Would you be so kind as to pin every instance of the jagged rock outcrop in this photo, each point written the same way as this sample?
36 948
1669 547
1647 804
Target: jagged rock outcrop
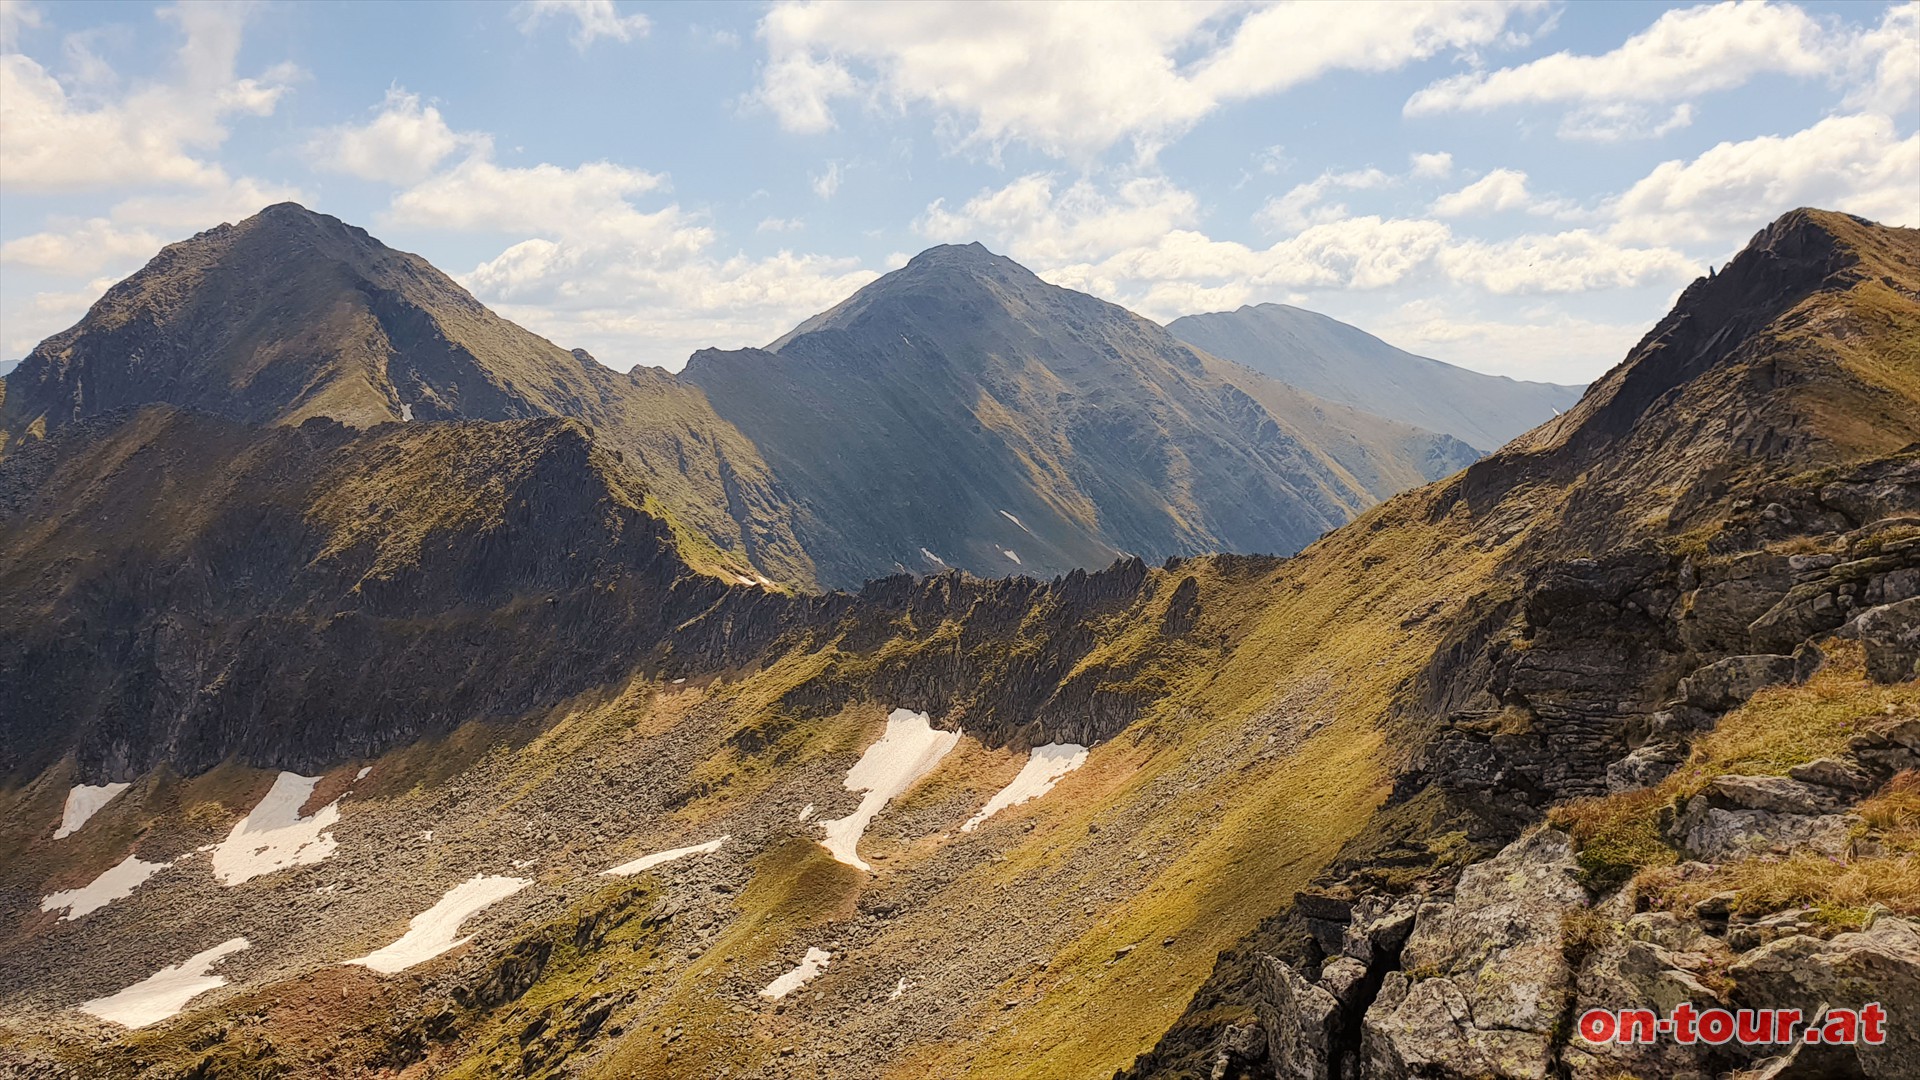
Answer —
1483 983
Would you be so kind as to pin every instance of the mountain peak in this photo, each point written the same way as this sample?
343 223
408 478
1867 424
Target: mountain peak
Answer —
955 254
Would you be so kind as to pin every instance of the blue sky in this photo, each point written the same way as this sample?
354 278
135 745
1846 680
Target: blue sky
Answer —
1520 188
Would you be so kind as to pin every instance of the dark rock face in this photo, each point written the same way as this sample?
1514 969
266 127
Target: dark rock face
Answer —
1599 675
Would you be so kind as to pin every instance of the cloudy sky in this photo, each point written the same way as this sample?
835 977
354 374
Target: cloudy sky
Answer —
1518 187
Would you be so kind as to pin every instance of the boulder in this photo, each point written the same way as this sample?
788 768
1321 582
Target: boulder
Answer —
1836 773
1484 979
1887 747
1379 928
1880 964
1301 1020
1750 933
1343 977
1653 960
1645 767
1778 794
1726 683
1713 834
1890 634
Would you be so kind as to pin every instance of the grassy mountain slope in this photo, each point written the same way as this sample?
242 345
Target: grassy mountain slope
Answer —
962 412
1348 365
1374 711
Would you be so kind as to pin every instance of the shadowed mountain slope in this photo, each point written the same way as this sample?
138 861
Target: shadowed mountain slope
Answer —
960 411
1343 363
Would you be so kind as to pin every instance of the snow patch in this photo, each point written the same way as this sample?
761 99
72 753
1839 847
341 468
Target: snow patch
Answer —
648 862
165 992
742 579
934 559
274 836
406 412
1044 768
801 975
84 801
806 813
362 774
1017 521
431 932
1011 554
116 883
898 989
908 751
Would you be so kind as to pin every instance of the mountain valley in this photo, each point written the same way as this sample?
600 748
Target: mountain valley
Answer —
480 713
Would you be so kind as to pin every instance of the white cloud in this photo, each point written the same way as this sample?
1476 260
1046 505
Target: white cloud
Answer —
594 268
135 228
154 134
478 195
632 304
1037 222
828 182
15 17
1501 189
402 144
592 19
48 313
1890 55
1858 164
88 247
1687 51
1135 243
1074 79
1619 121
1304 205
780 225
1577 261
1435 166
1542 344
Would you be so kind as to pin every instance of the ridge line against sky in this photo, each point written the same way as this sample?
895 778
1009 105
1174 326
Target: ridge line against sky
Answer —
1516 187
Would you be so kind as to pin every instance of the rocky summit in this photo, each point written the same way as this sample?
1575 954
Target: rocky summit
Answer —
406 696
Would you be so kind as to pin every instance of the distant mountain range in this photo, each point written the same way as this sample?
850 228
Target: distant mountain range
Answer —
958 413
1346 364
